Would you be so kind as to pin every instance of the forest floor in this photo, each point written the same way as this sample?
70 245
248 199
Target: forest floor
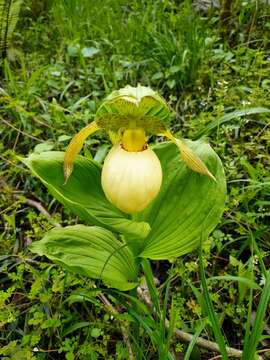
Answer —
60 67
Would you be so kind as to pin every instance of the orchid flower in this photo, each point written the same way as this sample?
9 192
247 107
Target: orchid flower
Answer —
132 175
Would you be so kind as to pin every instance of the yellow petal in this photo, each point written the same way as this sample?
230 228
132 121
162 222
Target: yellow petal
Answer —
75 146
189 157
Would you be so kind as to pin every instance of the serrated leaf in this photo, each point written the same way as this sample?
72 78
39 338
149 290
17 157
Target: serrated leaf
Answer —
83 193
187 203
90 251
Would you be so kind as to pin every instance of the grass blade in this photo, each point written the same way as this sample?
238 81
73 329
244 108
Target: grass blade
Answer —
151 285
211 312
251 345
251 284
206 130
193 342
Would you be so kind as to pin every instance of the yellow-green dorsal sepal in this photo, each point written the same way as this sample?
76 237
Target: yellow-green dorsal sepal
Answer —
132 107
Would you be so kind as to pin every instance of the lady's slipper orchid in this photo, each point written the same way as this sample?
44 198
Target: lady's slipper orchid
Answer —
132 175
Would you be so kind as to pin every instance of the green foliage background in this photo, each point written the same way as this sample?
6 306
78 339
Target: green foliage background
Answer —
64 58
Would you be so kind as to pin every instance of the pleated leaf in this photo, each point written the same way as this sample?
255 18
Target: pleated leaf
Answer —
83 193
90 251
188 204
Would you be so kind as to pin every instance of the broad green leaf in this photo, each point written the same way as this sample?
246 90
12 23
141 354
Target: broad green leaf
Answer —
90 251
83 193
187 205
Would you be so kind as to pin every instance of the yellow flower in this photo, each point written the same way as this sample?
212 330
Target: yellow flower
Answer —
131 179
131 175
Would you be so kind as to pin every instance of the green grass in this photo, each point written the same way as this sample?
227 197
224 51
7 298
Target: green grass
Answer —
66 60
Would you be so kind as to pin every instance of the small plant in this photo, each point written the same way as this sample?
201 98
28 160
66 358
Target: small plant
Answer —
9 15
144 203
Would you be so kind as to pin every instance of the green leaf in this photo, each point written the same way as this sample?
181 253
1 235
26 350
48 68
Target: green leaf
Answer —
188 203
101 153
88 52
73 50
90 251
83 193
45 146
96 332
75 327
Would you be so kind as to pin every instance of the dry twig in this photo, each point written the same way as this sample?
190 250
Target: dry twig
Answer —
39 207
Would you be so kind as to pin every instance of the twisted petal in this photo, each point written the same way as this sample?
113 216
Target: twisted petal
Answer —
189 157
75 146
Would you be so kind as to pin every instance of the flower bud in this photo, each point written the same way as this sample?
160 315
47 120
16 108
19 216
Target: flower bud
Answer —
131 180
